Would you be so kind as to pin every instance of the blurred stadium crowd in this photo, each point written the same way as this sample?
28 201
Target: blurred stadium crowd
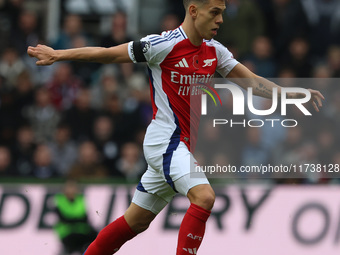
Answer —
85 120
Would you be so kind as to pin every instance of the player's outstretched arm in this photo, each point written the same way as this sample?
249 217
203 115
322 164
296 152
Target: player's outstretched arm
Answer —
47 56
264 88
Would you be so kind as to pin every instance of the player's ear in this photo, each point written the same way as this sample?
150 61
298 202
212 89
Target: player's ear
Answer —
193 11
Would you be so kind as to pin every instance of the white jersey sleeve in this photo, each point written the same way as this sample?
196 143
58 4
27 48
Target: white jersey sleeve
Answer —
226 61
152 48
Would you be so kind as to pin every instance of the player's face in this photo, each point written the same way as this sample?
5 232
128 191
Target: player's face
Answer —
209 18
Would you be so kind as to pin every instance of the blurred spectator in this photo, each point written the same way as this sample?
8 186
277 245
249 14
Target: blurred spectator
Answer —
243 22
9 13
140 136
118 36
11 66
210 139
8 117
106 142
63 87
170 21
23 150
324 24
323 82
286 72
27 33
83 70
126 125
23 93
2 84
262 57
6 167
126 71
235 136
285 152
138 101
267 9
72 29
12 102
321 71
298 58
88 163
63 150
336 165
290 22
254 154
42 116
118 33
333 58
326 141
271 133
308 153
43 166
73 228
222 159
131 164
176 7
107 84
333 108
80 116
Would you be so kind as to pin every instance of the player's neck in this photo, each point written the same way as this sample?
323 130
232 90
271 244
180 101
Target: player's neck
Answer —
189 29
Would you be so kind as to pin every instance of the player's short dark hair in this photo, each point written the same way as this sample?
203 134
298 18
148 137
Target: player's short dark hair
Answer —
186 3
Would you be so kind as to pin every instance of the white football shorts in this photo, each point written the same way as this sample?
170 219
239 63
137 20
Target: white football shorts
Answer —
168 173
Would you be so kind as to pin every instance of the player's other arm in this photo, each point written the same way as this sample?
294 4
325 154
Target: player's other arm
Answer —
264 88
47 56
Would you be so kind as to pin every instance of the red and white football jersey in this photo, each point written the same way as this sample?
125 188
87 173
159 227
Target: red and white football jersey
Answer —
174 63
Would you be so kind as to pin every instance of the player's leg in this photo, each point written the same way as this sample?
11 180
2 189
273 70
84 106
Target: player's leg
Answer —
202 197
137 218
114 235
192 228
168 173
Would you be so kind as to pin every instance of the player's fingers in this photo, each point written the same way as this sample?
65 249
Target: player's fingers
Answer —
30 51
318 94
41 63
318 99
321 95
315 106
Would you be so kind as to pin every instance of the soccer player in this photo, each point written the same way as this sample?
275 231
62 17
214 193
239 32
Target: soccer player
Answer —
174 59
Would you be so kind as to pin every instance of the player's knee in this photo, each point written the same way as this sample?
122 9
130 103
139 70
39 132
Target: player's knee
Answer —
207 200
138 218
141 223
140 226
202 196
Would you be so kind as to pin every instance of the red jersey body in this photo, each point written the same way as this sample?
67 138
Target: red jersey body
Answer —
176 67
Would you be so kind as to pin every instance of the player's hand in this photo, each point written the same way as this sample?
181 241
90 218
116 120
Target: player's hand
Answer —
316 99
44 54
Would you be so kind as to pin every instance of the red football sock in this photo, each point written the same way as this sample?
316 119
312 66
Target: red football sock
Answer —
192 230
111 238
